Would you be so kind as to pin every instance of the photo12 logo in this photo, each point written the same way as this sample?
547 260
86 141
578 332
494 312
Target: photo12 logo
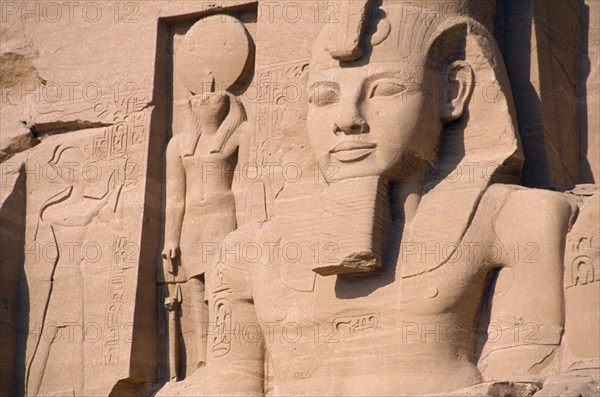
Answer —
69 11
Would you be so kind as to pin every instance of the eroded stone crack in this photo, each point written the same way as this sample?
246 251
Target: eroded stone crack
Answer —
44 130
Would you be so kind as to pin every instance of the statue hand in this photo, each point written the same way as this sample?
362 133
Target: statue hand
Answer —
171 251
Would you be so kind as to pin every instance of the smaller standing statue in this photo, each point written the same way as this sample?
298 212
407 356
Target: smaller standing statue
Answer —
200 205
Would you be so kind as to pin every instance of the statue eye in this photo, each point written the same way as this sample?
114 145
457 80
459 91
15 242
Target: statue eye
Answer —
386 88
324 93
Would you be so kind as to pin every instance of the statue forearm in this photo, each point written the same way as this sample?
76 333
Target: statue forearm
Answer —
173 223
175 197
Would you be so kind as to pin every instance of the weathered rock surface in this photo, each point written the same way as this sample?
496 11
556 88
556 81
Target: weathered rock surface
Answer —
341 198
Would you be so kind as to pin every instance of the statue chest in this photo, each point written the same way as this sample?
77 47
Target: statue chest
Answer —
292 294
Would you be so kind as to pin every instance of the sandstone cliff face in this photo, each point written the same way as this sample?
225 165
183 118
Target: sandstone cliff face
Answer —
589 92
93 93
17 57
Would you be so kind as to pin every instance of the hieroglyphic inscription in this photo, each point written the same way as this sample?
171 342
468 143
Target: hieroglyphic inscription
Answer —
116 141
356 324
123 253
278 86
222 338
585 267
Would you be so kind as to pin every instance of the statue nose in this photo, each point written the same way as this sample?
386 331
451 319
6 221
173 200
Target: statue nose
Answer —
351 124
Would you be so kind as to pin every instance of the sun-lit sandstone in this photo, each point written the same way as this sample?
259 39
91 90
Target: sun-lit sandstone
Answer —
328 198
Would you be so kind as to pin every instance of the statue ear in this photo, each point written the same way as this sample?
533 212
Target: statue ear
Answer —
458 87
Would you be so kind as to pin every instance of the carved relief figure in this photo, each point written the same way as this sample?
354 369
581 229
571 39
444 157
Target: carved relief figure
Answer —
62 226
419 240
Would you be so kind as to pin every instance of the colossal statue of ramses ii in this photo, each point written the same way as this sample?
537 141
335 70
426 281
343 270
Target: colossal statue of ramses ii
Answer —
417 260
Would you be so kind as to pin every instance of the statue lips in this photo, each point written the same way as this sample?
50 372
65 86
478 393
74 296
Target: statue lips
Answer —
349 151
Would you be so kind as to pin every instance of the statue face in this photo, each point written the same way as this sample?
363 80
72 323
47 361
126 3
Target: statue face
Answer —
370 120
210 108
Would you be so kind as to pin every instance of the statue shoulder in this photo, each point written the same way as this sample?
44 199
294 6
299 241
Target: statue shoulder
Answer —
174 145
527 203
538 204
533 215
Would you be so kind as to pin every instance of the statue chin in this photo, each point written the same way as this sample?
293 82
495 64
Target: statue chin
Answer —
336 167
363 203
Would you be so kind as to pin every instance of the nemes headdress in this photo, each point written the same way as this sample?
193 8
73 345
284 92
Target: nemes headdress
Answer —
481 147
